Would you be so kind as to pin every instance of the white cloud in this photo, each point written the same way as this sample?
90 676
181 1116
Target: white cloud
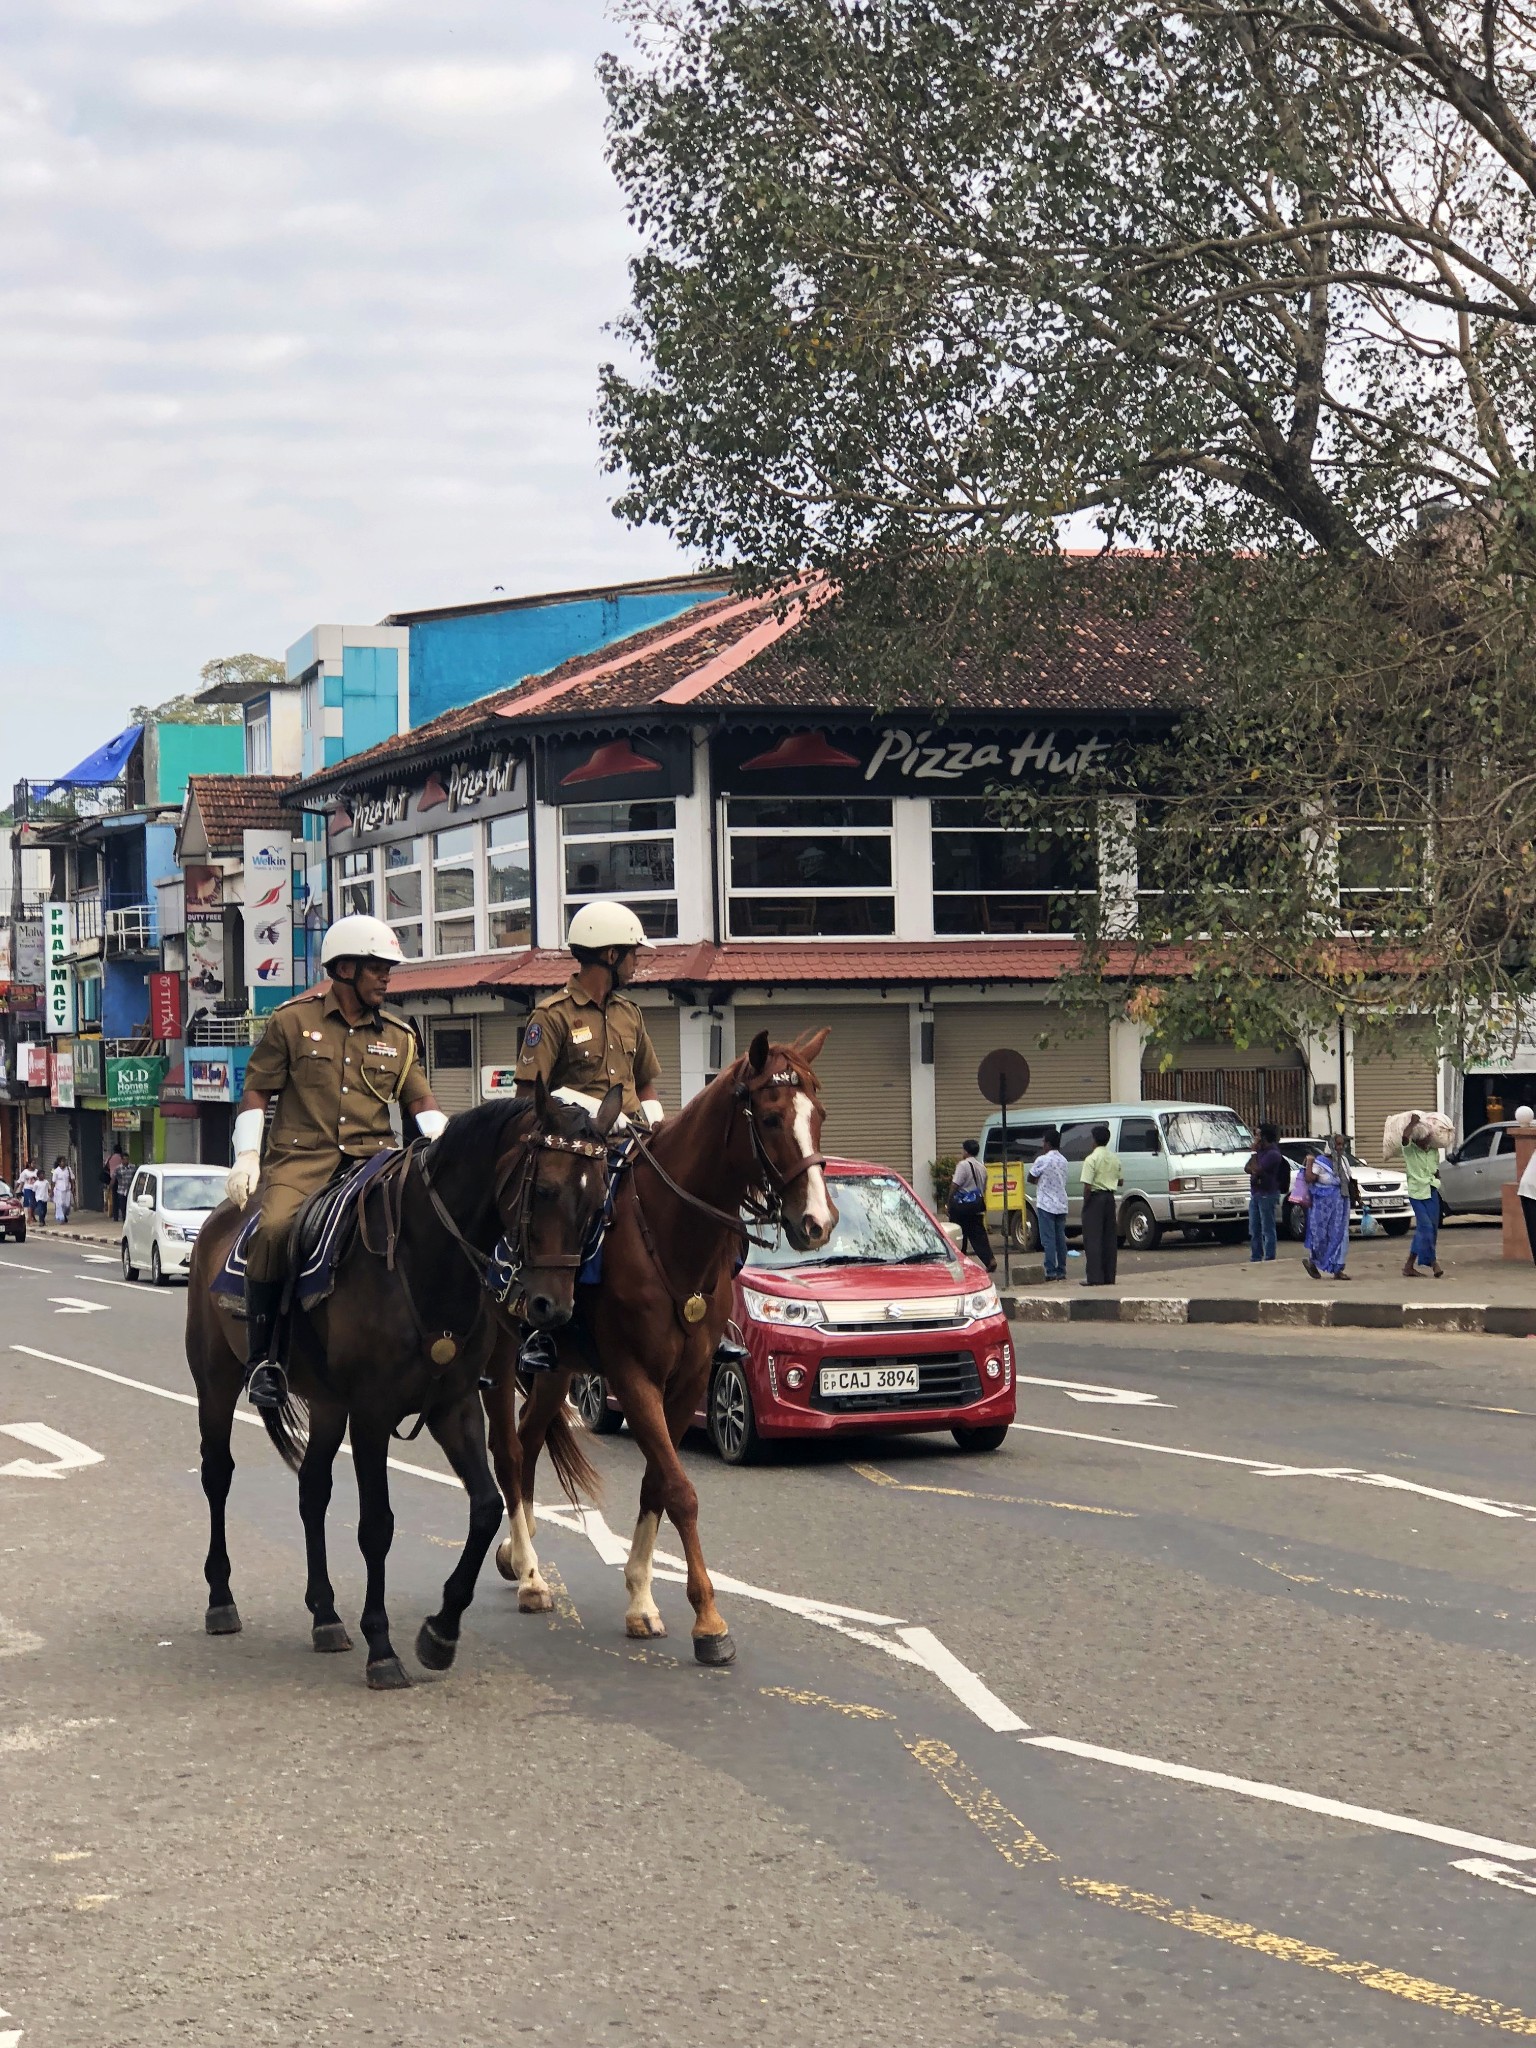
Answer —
301 306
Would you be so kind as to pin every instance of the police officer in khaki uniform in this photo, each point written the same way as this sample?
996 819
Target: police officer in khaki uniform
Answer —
590 1035
336 1059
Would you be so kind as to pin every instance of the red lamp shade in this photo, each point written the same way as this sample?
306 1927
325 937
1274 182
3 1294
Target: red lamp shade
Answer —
618 757
803 750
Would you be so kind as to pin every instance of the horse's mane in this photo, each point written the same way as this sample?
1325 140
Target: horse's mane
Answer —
476 1136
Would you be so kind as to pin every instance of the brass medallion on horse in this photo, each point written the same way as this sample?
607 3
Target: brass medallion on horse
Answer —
651 1325
456 1242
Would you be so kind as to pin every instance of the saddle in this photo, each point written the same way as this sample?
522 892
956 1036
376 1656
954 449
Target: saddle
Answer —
322 1232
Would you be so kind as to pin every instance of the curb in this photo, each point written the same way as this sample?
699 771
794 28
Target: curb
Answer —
1447 1318
61 1233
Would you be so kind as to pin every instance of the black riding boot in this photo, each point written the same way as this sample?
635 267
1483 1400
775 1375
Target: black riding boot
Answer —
729 1352
266 1382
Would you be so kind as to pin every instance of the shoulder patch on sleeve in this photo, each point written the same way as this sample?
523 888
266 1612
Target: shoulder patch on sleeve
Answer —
534 1033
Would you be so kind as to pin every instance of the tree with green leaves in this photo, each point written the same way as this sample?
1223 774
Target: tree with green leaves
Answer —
1252 289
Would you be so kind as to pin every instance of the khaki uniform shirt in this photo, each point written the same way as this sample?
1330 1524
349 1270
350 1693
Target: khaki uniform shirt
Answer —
335 1080
574 1042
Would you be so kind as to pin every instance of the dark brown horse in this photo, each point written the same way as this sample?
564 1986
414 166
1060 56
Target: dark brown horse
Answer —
409 1329
653 1323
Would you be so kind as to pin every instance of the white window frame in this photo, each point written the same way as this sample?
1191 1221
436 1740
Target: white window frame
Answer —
341 881
258 740
491 853
474 860
571 901
421 866
999 832
889 831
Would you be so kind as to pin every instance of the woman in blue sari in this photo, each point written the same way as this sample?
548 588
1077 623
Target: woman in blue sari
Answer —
1327 1218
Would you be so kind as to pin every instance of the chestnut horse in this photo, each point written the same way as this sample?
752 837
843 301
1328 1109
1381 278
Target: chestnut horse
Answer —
514 1187
652 1324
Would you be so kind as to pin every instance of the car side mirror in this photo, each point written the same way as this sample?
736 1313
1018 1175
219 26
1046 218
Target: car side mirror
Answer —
143 1201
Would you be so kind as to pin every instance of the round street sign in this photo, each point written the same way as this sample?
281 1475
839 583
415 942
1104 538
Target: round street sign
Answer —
1003 1076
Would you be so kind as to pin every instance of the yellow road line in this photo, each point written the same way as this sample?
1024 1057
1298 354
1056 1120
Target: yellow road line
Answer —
852 1708
1004 1830
1285 1948
1014 1500
565 1606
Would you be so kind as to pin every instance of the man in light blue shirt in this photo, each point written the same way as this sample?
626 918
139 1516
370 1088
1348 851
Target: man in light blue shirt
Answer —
1048 1171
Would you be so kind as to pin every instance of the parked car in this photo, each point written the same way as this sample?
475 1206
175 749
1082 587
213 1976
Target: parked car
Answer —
13 1216
1474 1175
167 1207
886 1328
1183 1165
1382 1191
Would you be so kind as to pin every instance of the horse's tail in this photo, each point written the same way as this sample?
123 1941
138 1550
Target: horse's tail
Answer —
288 1428
575 1471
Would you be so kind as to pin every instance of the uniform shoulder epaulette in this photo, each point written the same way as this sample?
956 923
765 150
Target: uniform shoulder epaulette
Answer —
396 1017
305 995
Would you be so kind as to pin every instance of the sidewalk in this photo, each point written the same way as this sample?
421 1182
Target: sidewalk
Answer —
85 1226
1480 1293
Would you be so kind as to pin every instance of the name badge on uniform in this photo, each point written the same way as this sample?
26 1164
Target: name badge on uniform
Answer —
389 1051
581 1034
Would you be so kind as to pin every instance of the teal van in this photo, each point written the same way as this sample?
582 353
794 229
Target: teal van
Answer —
1183 1165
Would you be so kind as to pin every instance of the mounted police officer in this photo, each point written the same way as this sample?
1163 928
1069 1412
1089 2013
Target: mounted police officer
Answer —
591 1035
336 1059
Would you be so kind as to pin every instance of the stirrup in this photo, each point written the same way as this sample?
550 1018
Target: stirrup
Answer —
267 1385
538 1353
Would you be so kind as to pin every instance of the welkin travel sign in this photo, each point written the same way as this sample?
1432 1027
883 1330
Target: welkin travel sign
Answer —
913 759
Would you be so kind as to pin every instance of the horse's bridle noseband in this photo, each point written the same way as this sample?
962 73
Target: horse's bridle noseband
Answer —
779 1182
501 1272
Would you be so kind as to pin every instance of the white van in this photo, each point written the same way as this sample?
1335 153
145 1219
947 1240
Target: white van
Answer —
167 1207
1183 1164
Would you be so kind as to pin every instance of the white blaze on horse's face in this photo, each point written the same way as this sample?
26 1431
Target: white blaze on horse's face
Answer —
818 1215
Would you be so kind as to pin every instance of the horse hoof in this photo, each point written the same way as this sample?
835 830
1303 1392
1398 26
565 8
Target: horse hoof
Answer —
222 1621
648 1628
330 1635
714 1649
387 1674
504 1562
433 1650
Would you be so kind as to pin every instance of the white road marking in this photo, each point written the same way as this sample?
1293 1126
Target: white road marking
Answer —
1282 1795
962 1682
101 1280
590 1523
1267 1468
1085 1390
35 1735
1504 1874
16 1641
72 1305
97 1259
66 1453
17 1266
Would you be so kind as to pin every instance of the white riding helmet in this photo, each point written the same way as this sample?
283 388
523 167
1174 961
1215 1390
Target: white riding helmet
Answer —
360 938
601 924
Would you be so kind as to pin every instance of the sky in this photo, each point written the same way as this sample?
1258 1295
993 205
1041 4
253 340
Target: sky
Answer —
302 304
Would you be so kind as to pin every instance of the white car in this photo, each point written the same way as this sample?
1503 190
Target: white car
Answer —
167 1207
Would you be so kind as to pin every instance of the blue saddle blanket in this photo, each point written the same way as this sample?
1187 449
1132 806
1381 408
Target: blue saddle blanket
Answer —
322 1231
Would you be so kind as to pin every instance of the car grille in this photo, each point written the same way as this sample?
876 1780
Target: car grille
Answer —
948 1380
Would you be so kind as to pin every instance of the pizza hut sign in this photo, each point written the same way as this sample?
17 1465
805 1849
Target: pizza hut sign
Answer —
911 760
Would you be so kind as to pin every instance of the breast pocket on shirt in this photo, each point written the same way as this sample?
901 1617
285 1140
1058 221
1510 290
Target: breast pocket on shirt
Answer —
381 1076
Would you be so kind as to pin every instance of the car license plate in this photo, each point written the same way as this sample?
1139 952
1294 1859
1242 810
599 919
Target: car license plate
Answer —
1229 1202
869 1379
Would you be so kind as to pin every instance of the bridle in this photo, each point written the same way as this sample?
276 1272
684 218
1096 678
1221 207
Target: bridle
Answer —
501 1271
768 1207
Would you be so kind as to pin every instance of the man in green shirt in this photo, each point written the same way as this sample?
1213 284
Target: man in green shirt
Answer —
1421 1162
1102 1175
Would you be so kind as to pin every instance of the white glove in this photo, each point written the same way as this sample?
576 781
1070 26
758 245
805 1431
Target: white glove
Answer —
653 1112
246 1171
431 1123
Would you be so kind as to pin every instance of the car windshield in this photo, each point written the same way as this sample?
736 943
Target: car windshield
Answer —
192 1190
880 1223
1206 1130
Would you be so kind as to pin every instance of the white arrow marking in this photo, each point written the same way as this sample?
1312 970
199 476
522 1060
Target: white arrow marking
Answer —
72 1305
1085 1390
97 1259
1506 1874
67 1454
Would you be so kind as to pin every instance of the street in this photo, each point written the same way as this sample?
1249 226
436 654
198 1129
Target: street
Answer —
958 1787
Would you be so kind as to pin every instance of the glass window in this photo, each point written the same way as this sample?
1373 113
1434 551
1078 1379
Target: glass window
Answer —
405 853
403 862
258 744
1139 1134
879 1224
1206 1130
453 890
1376 862
509 881
1480 1144
1078 1140
352 884
624 851
809 867
992 879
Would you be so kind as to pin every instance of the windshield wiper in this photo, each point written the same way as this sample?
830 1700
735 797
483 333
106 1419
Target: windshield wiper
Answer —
838 1259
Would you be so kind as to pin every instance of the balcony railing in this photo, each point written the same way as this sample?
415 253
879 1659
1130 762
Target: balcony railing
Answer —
213 1029
132 929
59 803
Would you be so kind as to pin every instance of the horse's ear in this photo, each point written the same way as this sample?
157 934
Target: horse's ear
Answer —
757 1053
540 1097
808 1045
612 1103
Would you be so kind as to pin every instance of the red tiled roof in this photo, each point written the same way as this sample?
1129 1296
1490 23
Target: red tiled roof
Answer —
737 655
230 805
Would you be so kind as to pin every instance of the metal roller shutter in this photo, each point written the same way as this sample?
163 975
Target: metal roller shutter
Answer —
1073 1067
1385 1081
498 1041
663 1027
451 1065
865 1071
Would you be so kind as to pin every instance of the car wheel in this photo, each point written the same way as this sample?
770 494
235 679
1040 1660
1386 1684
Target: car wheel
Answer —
589 1391
1140 1228
1397 1229
130 1272
1295 1222
732 1425
1020 1232
19 1234
990 1439
156 1271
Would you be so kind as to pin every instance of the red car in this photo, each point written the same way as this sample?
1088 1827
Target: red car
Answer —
886 1328
13 1215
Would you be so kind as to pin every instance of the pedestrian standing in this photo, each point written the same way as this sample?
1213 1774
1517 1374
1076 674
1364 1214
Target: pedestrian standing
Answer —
1327 1218
1421 1162
1048 1171
109 1179
122 1180
28 1185
1269 1173
63 1190
968 1203
1102 1175
1527 1190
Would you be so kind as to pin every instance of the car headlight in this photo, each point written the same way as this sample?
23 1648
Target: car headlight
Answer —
773 1308
984 1302
187 1232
